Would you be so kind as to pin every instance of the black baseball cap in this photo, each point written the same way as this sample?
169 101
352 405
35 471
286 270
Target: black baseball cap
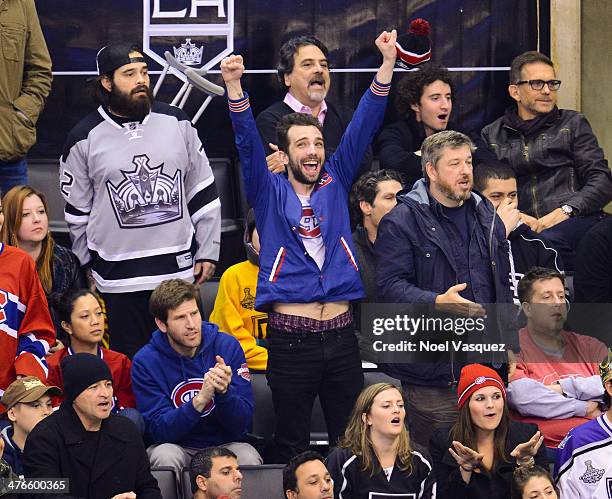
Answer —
115 55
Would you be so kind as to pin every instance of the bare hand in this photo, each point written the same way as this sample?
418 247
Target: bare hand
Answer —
528 449
553 218
465 457
386 44
276 160
531 221
203 271
204 396
509 213
58 345
219 376
232 68
593 411
452 302
125 495
555 387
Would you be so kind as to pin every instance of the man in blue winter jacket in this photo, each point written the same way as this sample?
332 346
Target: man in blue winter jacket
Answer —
308 273
191 382
442 245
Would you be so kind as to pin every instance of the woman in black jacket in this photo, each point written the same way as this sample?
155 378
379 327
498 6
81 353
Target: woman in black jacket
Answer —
375 456
476 458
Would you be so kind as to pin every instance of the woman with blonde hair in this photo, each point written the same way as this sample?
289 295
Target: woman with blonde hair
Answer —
26 226
375 454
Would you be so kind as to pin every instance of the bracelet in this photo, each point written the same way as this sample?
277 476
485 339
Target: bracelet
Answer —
526 464
469 470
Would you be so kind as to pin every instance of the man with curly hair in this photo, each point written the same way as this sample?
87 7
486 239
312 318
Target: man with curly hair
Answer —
424 101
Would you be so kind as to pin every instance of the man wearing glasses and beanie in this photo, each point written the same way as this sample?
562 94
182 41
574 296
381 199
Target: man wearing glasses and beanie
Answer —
562 175
101 454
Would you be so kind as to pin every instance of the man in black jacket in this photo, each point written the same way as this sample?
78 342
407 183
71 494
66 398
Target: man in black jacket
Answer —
497 182
373 195
303 71
101 454
424 101
562 175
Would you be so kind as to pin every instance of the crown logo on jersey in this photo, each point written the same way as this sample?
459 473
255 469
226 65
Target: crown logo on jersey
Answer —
188 53
147 196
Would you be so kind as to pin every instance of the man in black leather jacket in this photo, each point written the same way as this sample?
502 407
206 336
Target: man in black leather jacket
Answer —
563 178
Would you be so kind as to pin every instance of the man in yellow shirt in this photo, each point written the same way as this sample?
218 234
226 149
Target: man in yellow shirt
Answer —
234 309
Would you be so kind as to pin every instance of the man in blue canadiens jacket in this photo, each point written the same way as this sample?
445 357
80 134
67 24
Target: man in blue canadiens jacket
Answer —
308 273
191 382
442 245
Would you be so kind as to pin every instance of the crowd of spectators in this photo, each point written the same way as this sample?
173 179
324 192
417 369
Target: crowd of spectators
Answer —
470 225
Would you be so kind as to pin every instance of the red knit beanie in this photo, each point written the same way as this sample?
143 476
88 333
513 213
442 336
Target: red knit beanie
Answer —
474 377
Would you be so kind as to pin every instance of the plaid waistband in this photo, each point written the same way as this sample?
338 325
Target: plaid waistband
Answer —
296 323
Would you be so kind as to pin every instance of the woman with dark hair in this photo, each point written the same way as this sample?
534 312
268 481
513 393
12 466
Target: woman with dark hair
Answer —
476 458
376 455
26 226
533 483
81 317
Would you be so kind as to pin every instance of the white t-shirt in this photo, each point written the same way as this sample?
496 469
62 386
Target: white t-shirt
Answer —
310 232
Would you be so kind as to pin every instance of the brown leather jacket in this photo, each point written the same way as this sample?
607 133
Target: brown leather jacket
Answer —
25 77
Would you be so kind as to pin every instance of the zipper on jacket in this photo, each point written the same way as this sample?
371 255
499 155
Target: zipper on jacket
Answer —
533 178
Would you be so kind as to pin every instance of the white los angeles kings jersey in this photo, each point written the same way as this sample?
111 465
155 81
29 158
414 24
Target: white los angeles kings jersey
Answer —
136 194
584 462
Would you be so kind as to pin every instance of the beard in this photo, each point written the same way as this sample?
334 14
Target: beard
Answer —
456 194
299 175
130 105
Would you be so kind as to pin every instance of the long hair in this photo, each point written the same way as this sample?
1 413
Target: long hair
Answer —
464 431
357 436
12 204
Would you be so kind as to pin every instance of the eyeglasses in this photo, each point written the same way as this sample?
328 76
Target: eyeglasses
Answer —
539 84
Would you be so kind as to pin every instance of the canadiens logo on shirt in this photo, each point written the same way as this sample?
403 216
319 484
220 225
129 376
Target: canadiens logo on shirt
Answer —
309 225
325 179
186 390
243 372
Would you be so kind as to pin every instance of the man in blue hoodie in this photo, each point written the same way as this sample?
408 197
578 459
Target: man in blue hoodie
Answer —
191 382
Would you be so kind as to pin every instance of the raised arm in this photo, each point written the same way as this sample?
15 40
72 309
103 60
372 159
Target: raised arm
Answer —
257 178
232 68
345 162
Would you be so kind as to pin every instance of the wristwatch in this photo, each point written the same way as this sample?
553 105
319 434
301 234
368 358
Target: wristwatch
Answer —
567 210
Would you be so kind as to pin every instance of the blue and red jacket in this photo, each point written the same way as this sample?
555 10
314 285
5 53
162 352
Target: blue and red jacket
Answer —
287 273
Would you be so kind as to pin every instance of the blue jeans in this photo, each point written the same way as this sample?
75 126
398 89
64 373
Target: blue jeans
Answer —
565 236
13 173
302 365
